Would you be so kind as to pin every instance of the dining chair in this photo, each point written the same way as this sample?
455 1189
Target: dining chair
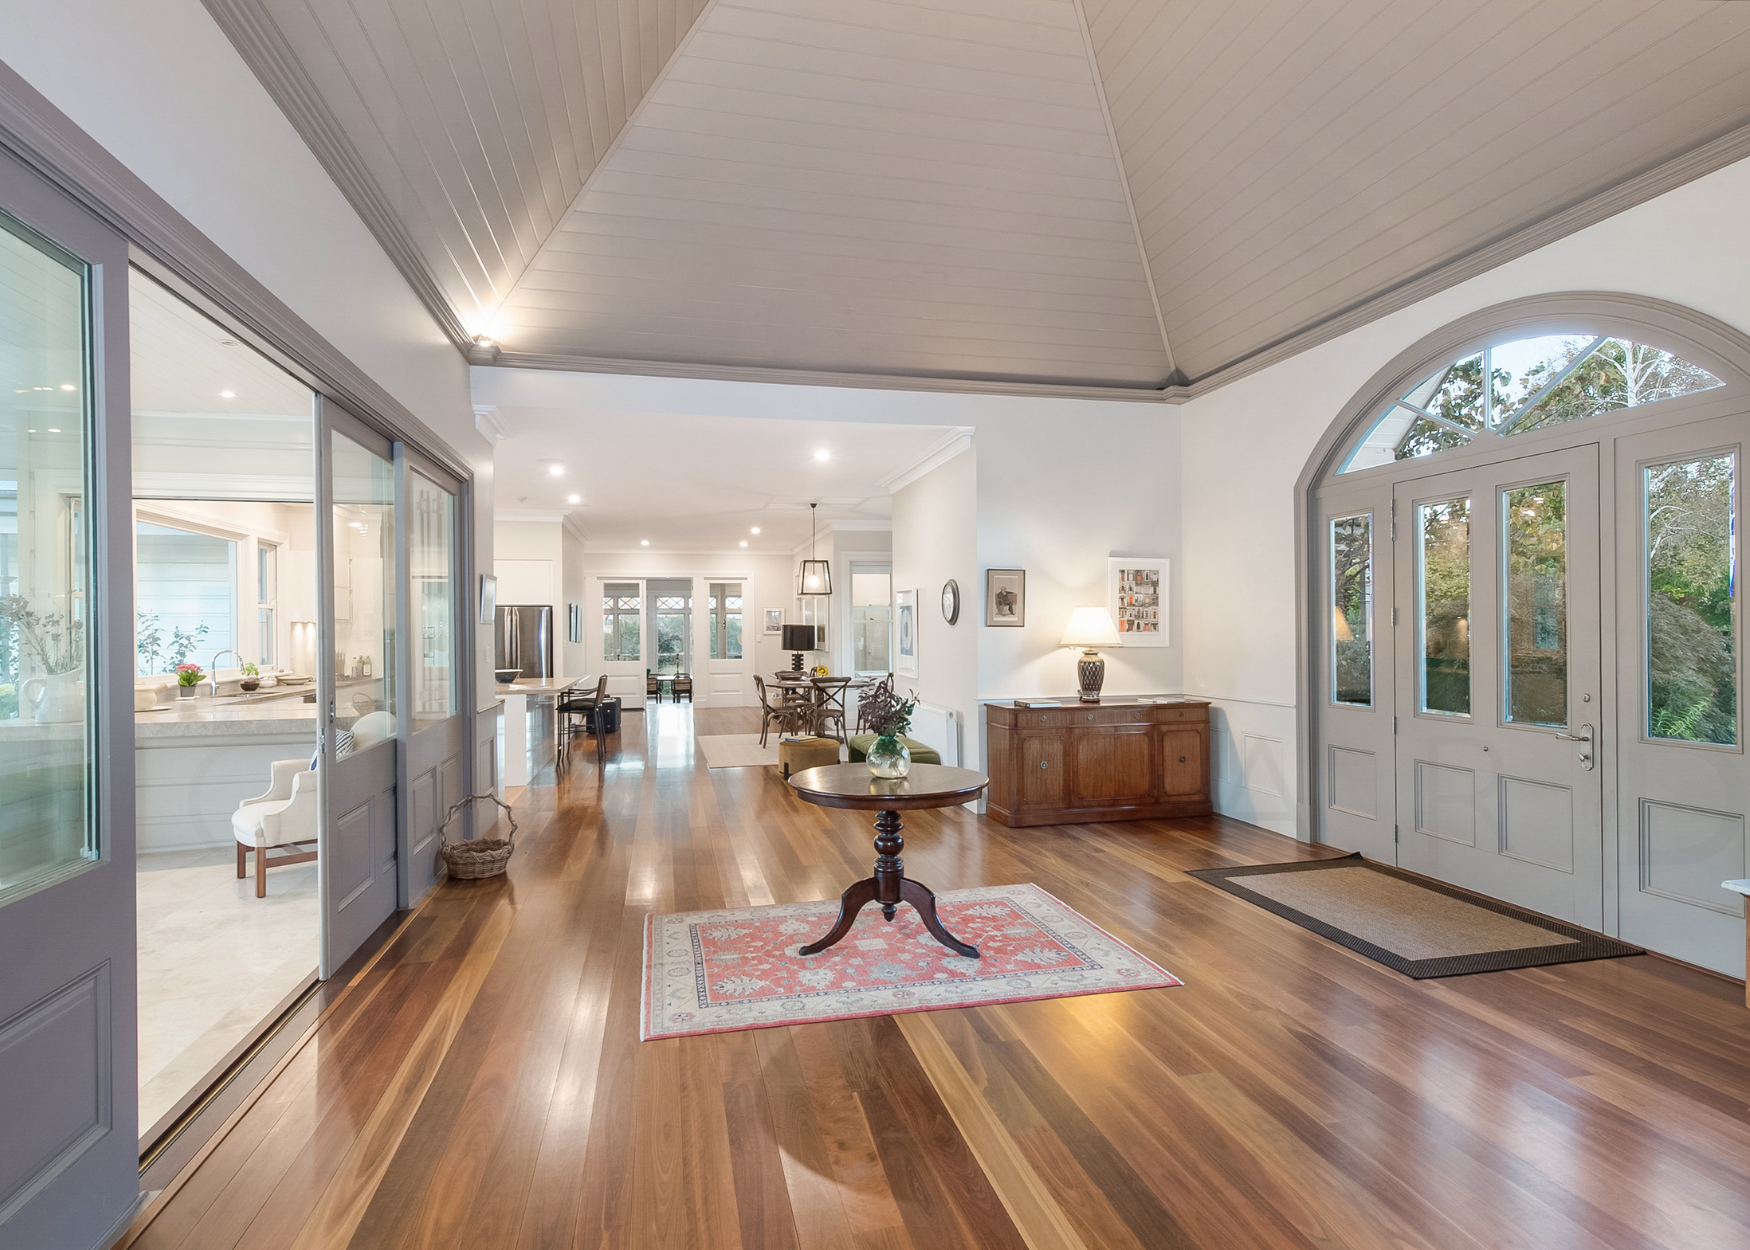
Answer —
829 705
782 713
683 684
652 689
588 709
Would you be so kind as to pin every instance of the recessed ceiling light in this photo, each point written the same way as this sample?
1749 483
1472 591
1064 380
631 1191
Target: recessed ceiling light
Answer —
30 431
574 499
643 542
227 394
68 386
744 542
53 430
754 530
823 454
556 470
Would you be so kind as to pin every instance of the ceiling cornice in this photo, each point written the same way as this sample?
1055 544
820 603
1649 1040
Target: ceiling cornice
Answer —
1698 162
859 381
937 454
263 47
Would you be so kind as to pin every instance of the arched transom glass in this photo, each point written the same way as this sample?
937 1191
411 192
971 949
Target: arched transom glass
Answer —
1531 384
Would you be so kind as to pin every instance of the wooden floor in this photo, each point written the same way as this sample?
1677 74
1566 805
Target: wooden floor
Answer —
482 1085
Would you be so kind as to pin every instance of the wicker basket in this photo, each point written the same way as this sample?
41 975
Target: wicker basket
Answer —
469 859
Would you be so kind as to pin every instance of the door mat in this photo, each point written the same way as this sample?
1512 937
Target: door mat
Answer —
717 971
1411 924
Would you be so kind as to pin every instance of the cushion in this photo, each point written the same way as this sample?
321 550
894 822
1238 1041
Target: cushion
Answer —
920 754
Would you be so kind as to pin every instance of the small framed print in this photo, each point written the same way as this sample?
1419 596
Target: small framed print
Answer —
574 630
488 599
774 620
1136 594
905 632
1005 597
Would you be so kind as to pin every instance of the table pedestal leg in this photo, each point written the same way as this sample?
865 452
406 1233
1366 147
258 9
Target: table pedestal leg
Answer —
889 887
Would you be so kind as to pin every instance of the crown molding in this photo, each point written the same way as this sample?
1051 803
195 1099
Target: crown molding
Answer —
170 247
491 423
937 454
858 381
264 48
546 516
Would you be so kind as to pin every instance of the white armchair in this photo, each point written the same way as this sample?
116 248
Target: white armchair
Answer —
283 817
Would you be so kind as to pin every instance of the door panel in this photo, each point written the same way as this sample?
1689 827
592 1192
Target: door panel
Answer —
1498 671
1181 762
1042 769
361 681
1112 765
433 728
1681 777
69 1148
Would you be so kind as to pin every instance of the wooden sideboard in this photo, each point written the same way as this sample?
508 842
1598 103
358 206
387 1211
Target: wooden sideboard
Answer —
1106 761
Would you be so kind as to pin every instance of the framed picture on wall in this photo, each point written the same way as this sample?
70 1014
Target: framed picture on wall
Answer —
905 632
574 630
488 599
774 620
1005 597
1136 594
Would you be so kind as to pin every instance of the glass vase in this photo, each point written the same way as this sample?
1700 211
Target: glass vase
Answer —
888 757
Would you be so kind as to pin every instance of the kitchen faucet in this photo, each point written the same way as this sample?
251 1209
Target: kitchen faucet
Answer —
213 669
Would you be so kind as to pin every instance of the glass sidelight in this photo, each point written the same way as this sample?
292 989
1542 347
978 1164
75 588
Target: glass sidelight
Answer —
1352 610
364 581
1535 604
1443 606
431 560
1690 539
46 828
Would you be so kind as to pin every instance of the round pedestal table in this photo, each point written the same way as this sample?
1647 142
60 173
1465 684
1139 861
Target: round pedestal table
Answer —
852 786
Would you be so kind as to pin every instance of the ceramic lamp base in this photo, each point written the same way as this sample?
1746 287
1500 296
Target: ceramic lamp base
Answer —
1091 672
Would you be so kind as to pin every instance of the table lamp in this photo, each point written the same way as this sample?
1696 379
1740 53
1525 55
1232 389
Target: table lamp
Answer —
797 639
1089 628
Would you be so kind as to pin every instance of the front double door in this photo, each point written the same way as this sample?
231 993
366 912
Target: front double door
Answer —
1497 682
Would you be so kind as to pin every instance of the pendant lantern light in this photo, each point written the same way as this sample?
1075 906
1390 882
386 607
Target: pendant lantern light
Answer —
815 577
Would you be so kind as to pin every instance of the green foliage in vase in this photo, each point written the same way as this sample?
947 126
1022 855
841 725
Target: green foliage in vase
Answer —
883 711
54 640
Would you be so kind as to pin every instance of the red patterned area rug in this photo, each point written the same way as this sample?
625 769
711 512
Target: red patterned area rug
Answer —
717 971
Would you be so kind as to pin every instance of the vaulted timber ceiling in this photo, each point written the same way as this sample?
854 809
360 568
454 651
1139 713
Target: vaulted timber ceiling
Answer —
1109 195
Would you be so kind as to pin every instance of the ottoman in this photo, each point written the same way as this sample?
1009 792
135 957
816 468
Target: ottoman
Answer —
796 754
920 754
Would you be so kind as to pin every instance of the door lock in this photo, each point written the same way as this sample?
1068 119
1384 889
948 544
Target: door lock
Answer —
1585 736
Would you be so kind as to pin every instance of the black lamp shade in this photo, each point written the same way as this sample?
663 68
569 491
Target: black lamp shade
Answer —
815 578
798 638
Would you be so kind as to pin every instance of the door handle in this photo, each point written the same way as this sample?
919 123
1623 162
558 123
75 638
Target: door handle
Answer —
1585 735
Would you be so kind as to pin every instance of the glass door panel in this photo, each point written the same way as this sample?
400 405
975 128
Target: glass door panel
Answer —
1691 670
433 581
364 585
1352 610
1443 606
1535 604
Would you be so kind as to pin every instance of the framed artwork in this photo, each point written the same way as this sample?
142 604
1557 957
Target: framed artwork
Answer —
905 632
574 630
774 620
1136 594
1005 597
488 599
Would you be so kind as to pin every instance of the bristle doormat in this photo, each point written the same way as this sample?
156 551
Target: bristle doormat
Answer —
1409 923
717 971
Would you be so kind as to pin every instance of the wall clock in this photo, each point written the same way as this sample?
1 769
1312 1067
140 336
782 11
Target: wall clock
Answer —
951 601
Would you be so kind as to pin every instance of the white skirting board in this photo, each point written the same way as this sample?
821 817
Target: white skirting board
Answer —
939 729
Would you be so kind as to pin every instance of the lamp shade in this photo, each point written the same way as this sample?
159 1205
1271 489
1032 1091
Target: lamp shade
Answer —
1090 627
798 638
814 578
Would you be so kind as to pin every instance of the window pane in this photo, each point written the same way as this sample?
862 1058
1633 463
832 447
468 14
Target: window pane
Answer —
1352 610
1443 585
185 594
1455 393
44 570
364 581
1692 676
1536 604
431 566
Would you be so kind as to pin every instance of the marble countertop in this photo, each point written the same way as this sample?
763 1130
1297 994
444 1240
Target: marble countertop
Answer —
1741 887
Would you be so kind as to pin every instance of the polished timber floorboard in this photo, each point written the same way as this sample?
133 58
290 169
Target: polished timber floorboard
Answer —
482 1084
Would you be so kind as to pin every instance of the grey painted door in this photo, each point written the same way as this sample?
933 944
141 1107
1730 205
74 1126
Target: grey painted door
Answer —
360 684
435 760
1498 680
69 1149
1681 776
1357 782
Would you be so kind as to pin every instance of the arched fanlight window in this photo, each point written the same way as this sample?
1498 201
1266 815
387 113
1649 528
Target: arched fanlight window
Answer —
1532 384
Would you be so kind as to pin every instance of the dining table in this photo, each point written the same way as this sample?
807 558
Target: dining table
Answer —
801 688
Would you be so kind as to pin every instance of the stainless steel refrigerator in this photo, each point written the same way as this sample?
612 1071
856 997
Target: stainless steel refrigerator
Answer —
525 639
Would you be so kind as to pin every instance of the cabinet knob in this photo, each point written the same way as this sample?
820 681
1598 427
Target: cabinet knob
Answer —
1045 763
1090 716
1181 759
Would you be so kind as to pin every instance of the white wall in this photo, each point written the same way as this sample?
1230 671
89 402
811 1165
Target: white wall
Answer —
935 537
573 581
1245 445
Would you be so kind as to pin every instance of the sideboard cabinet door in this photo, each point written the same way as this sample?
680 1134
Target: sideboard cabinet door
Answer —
1182 762
1041 760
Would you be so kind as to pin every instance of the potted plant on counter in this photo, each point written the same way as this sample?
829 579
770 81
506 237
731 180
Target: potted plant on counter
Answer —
889 716
251 677
188 676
